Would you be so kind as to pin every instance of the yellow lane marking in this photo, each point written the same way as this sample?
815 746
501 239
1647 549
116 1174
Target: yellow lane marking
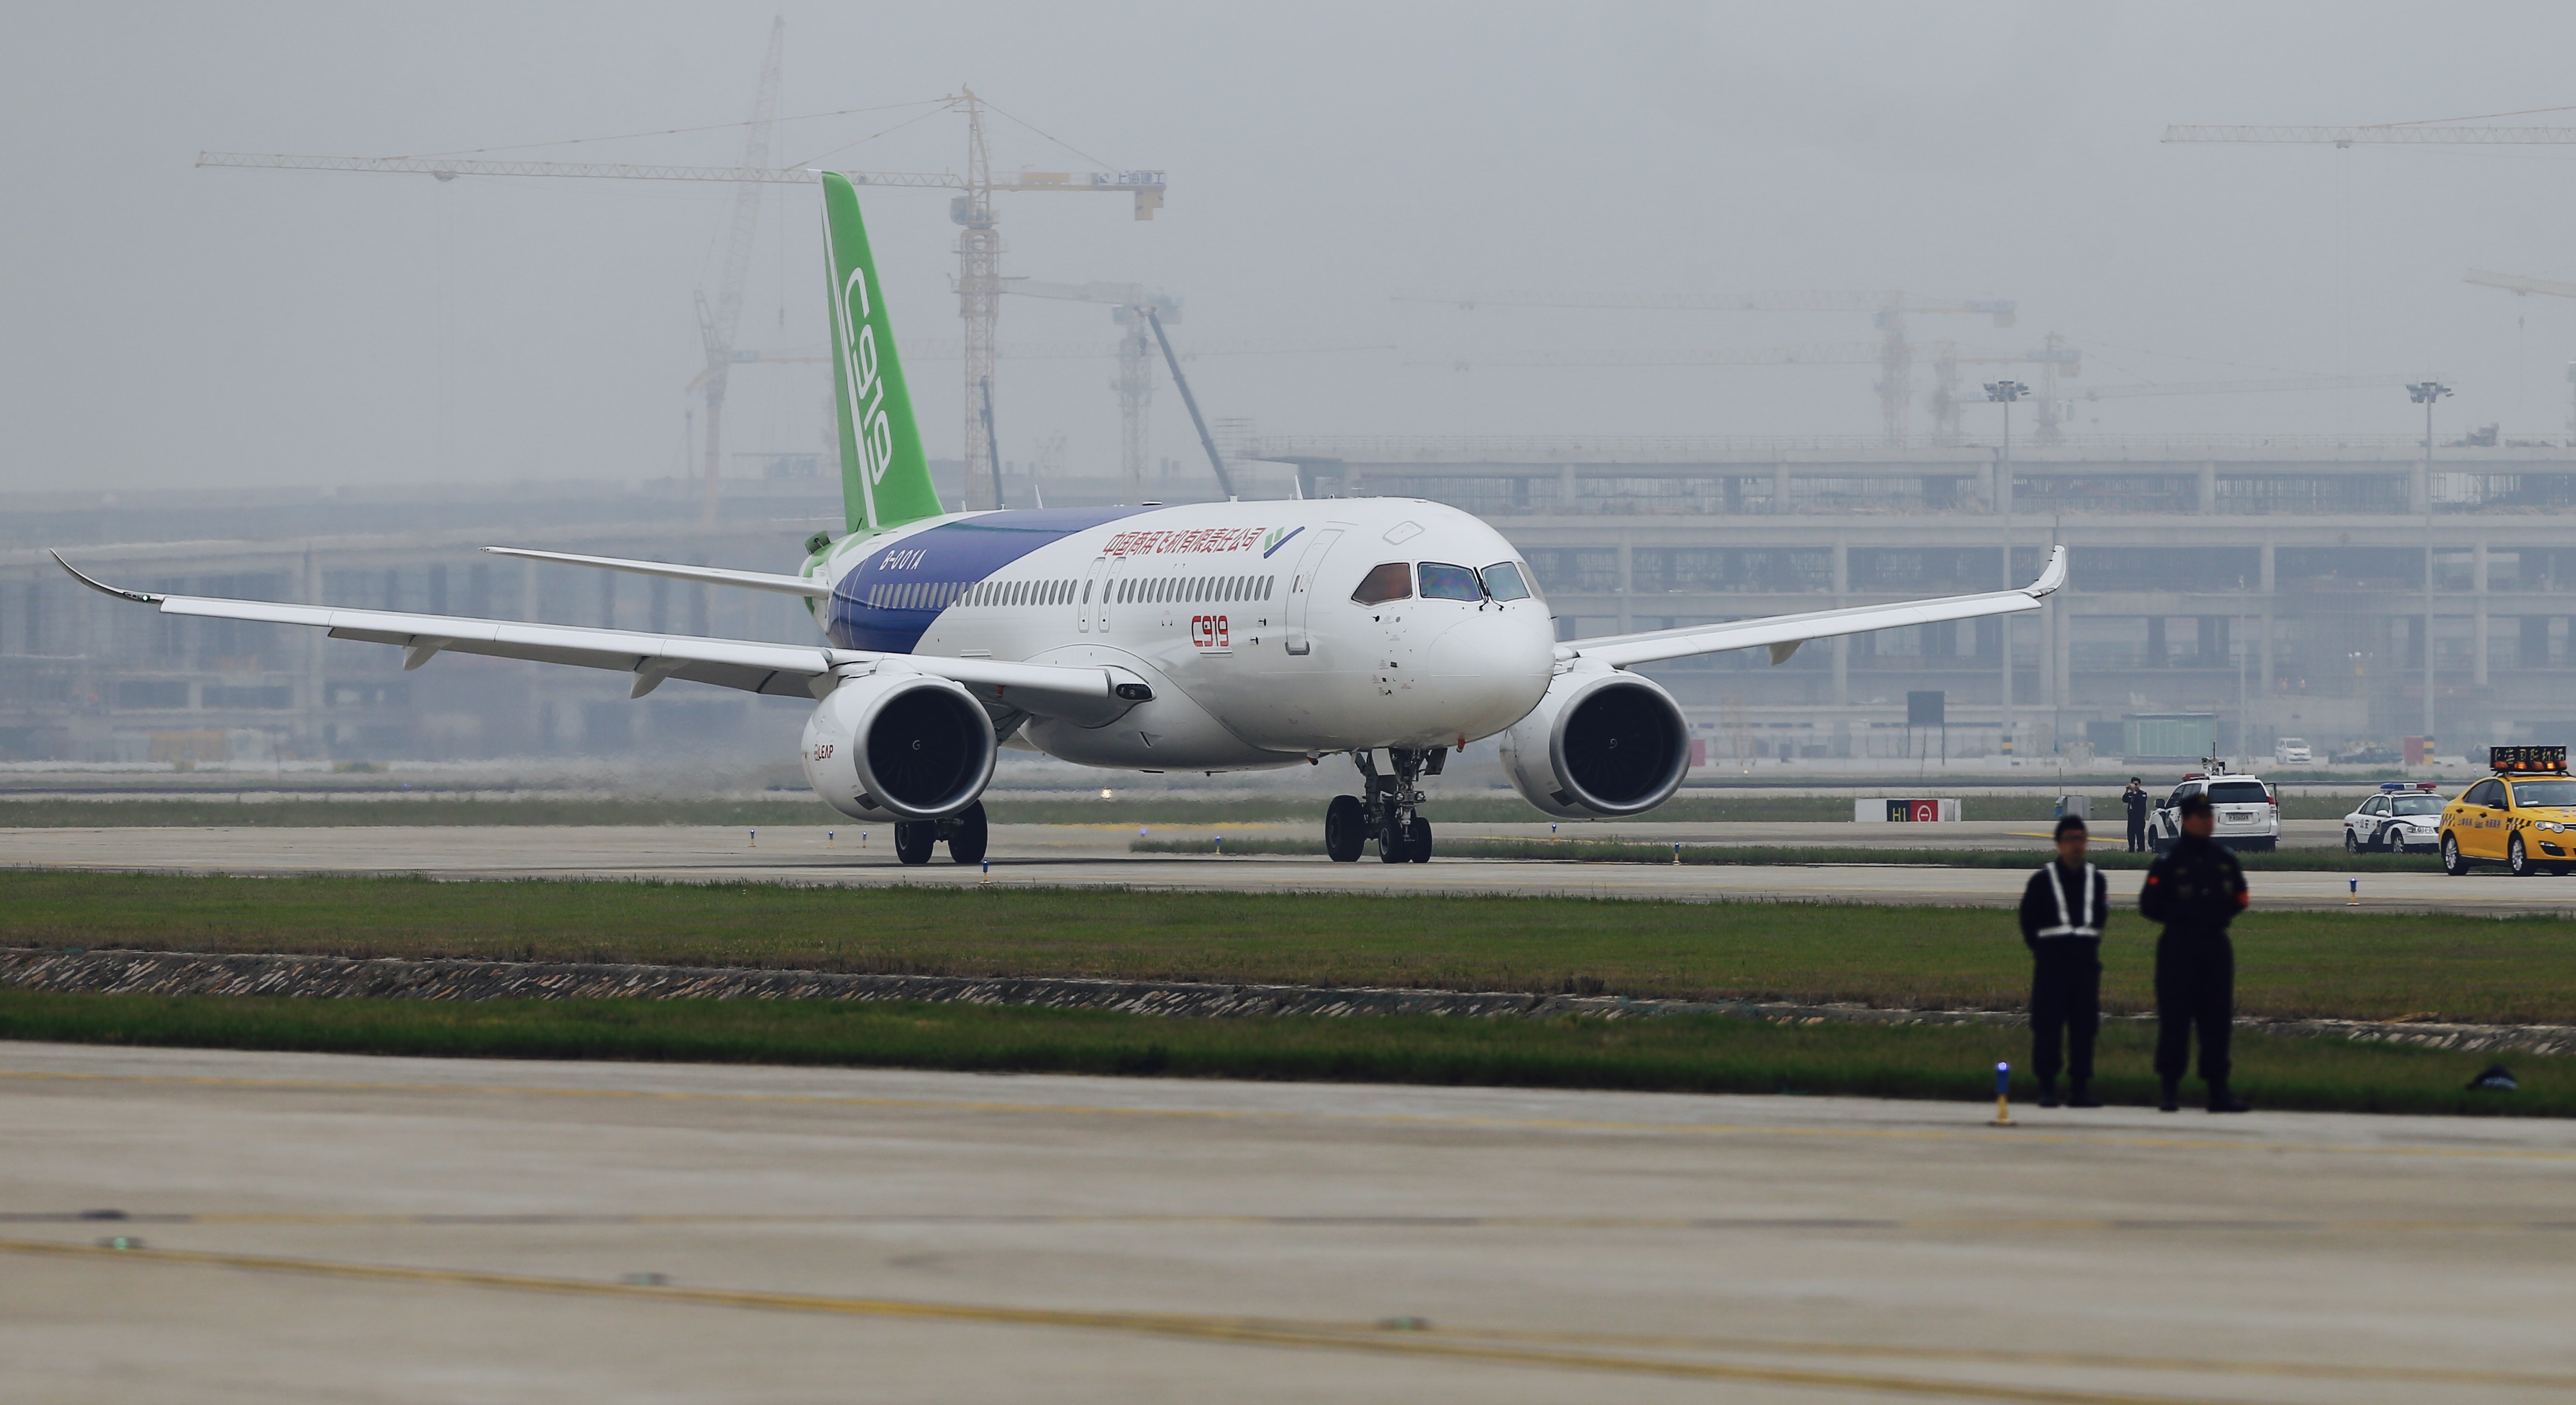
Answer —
1563 1124
2535 1380
1584 1223
1242 1330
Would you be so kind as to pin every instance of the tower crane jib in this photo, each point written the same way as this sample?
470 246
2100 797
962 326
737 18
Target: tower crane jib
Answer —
979 244
1889 309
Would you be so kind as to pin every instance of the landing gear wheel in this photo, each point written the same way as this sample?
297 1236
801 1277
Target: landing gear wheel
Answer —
1345 829
2452 863
2517 861
966 835
913 840
1417 841
1394 842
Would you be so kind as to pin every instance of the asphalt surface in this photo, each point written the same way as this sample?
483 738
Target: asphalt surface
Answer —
1098 856
312 1227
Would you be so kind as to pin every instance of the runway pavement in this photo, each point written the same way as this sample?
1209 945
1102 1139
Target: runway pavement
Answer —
324 1227
1094 856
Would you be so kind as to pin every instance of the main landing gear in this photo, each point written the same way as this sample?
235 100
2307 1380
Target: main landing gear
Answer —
1388 813
965 832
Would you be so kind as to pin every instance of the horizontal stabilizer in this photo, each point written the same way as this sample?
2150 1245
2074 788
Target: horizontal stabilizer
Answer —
707 575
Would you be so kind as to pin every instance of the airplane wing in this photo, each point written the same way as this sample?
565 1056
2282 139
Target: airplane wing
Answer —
709 575
793 670
1782 634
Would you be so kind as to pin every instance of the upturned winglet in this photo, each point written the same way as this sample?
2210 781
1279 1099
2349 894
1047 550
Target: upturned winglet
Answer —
2051 577
139 597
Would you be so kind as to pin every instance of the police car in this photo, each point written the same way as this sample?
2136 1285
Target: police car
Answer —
2523 816
2248 813
2400 817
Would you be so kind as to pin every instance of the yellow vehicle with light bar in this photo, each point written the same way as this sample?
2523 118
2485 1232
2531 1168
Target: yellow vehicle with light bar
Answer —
2523 816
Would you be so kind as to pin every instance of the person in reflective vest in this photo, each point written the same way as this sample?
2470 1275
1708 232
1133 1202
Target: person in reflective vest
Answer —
2195 890
2062 911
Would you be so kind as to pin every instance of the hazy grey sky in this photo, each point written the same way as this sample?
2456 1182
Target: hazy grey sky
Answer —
178 326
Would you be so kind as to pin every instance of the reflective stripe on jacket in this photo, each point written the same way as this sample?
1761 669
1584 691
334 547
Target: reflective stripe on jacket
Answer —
2068 923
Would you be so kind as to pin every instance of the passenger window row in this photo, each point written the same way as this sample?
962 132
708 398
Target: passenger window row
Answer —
916 595
1194 590
939 595
1004 594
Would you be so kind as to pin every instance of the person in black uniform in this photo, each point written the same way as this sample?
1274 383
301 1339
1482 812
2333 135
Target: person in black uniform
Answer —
2134 800
2062 909
2195 889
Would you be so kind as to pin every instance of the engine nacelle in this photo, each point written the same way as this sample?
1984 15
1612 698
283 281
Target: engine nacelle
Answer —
899 746
1601 744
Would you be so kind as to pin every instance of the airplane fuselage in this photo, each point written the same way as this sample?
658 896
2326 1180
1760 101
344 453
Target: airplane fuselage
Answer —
1249 620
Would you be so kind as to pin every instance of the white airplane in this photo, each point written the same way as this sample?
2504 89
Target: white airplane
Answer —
1218 637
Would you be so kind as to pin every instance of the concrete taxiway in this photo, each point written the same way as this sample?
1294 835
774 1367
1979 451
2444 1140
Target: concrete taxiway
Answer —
1098 856
192 1226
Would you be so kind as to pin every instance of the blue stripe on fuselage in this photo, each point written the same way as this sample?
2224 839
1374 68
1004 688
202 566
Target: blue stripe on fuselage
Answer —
917 576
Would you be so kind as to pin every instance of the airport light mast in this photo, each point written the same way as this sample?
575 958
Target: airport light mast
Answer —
2427 394
2004 393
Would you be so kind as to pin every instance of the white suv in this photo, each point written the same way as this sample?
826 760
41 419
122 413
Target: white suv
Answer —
2292 751
2248 813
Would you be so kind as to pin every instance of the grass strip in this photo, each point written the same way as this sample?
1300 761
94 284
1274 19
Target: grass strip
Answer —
306 812
2290 965
1683 1053
2031 854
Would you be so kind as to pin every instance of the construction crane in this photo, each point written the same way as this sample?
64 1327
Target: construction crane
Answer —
1947 357
951 349
1134 371
2521 286
1129 306
2054 358
2127 392
1890 310
2516 283
2383 134
716 329
979 244
1834 353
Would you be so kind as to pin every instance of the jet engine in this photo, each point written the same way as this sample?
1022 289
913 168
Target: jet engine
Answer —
1601 743
901 746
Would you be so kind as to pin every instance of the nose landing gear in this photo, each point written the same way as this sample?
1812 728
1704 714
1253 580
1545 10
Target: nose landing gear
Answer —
1388 814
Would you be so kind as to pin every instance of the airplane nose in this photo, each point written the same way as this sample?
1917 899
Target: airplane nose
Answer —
1493 661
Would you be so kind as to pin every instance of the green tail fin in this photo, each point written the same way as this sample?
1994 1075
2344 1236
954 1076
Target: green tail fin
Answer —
885 481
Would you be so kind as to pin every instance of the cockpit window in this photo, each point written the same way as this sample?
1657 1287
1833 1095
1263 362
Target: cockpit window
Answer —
1503 582
1441 581
1392 581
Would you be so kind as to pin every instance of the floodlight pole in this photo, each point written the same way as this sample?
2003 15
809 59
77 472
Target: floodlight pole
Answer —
2004 393
2426 393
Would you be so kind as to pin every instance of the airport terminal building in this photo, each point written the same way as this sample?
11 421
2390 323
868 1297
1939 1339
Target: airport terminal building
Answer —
2330 588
